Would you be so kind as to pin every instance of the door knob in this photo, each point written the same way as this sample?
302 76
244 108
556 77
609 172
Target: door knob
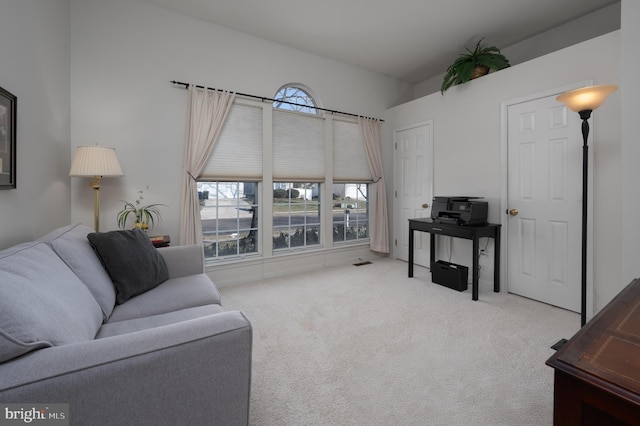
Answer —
425 206
513 212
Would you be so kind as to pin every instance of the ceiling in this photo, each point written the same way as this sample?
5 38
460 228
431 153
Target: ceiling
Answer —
410 40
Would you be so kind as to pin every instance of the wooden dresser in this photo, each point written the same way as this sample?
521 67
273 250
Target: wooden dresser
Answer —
597 372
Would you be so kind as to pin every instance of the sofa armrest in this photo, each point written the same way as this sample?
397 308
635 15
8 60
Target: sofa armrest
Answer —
192 372
184 260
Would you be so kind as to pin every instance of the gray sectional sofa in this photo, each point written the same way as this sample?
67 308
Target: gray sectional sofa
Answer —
167 356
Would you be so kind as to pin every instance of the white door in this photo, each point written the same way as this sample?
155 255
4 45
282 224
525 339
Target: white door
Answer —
413 178
544 202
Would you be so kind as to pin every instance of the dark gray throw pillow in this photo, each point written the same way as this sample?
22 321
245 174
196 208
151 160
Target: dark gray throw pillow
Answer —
133 263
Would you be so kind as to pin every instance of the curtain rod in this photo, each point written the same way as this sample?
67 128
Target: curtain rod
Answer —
263 98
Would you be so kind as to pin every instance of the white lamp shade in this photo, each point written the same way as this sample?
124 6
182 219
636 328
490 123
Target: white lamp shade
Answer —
586 98
91 161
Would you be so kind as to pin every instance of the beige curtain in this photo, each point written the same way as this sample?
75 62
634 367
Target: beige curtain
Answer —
206 112
379 223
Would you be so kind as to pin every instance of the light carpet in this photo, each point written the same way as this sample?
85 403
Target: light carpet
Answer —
368 346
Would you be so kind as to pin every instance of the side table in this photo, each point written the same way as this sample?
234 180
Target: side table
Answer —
597 372
161 241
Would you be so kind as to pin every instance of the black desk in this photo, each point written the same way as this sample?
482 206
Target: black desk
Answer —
467 232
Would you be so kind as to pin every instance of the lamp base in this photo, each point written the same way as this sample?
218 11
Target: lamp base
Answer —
95 184
560 343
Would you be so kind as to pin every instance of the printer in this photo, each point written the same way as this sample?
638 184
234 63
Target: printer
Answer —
459 210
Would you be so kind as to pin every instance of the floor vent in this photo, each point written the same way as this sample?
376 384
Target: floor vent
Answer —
366 262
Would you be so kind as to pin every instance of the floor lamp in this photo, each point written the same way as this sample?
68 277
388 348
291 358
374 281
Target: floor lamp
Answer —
584 101
95 162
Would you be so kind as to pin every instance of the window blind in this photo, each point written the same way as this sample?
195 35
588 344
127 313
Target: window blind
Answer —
349 157
298 147
238 153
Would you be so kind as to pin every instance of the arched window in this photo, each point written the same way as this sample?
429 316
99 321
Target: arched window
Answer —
295 98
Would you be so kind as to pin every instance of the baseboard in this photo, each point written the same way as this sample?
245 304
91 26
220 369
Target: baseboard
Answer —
253 269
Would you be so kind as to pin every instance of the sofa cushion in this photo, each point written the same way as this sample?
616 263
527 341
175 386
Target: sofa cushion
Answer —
152 321
172 295
71 244
133 263
42 302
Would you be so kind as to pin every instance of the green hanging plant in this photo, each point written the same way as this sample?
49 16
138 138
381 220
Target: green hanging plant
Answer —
474 64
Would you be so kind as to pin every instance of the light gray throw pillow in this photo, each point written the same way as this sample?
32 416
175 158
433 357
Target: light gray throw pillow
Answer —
42 302
71 244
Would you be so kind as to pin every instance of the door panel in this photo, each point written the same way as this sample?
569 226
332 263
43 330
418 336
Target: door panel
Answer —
413 175
544 185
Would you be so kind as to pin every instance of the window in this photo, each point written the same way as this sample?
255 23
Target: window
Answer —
237 155
228 185
285 159
294 98
350 212
229 215
350 190
296 215
298 147
298 154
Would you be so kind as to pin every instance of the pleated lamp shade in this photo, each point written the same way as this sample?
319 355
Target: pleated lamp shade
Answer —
95 160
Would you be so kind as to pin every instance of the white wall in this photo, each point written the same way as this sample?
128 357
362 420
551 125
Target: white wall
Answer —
34 66
630 93
592 25
123 55
467 140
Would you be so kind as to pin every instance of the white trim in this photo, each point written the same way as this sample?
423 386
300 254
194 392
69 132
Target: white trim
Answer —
265 218
247 270
326 188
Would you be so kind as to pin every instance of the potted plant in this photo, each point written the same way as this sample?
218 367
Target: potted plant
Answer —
474 64
145 216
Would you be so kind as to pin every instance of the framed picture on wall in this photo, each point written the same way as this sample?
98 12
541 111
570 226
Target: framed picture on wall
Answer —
7 140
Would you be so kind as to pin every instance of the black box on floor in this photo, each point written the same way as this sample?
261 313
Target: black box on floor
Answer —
449 275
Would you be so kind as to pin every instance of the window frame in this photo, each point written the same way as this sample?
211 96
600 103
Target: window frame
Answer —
305 103
255 205
345 222
266 184
279 237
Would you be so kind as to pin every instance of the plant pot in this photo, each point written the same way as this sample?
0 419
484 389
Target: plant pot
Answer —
479 71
